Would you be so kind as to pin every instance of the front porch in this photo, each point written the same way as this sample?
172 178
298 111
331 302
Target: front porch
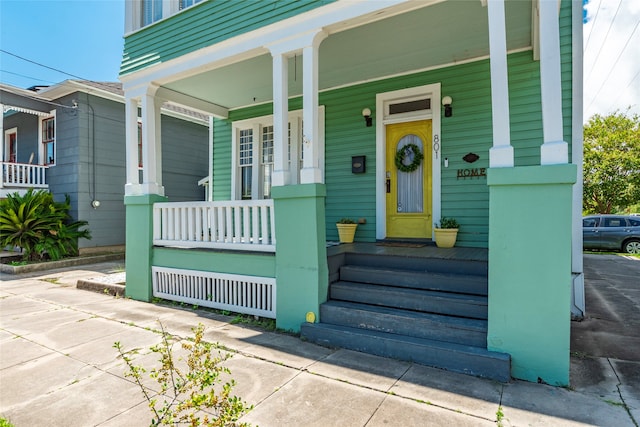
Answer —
287 102
405 300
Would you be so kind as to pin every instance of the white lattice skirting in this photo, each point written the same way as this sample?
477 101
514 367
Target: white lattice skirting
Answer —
237 293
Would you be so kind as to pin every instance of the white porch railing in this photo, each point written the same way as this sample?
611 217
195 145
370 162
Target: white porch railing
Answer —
238 293
23 175
240 225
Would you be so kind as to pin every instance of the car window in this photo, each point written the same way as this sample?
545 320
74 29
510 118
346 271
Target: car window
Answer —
615 222
634 222
590 222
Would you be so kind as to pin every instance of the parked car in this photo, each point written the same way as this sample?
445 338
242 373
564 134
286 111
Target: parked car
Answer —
612 232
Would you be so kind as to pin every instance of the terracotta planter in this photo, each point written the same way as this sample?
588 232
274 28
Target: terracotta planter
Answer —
346 232
446 237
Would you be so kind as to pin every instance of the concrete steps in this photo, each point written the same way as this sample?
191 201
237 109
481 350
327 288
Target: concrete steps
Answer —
453 357
429 311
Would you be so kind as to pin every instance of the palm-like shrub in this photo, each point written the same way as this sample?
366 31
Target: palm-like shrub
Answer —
40 226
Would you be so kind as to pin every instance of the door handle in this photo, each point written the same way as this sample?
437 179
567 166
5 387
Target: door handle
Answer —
388 185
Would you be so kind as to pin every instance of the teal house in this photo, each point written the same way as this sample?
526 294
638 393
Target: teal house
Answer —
394 113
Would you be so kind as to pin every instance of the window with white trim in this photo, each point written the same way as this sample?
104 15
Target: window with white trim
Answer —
48 140
246 163
151 11
140 13
253 154
183 4
139 144
11 145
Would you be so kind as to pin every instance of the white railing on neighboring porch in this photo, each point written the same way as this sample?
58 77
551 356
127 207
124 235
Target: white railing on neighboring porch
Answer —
239 225
23 175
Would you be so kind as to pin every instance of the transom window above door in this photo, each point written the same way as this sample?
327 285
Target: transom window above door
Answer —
412 107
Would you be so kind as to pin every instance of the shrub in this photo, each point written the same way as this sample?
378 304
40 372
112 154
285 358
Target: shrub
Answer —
448 223
40 226
346 221
191 393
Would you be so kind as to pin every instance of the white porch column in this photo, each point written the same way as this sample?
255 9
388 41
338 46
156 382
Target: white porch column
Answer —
554 150
311 171
151 144
132 186
281 172
501 154
210 161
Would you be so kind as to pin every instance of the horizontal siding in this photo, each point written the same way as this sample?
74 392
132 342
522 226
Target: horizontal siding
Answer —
27 129
203 25
468 130
566 53
349 195
185 151
221 159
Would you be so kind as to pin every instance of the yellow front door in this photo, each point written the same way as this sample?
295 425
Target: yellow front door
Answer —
409 191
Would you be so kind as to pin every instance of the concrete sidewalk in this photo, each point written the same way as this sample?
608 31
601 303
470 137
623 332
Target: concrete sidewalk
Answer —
58 368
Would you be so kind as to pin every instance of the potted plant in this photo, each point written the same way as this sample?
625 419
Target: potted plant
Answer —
346 230
446 232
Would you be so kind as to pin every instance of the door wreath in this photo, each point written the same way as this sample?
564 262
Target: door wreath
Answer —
402 153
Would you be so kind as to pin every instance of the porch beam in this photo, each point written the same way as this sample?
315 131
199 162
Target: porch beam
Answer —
311 172
554 149
281 172
501 154
204 107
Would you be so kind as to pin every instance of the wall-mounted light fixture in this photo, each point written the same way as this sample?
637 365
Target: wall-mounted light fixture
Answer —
366 113
448 111
95 204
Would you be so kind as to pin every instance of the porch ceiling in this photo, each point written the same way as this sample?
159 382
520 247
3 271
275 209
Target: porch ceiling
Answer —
448 32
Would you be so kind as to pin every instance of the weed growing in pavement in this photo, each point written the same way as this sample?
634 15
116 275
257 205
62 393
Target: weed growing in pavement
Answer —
579 354
5 422
260 322
189 393
499 416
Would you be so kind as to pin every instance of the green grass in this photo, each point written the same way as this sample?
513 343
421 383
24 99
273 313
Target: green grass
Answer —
611 253
5 422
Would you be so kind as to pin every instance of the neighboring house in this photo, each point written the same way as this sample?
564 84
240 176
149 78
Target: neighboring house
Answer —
70 139
488 90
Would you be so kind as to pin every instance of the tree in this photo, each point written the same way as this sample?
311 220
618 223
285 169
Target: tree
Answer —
611 162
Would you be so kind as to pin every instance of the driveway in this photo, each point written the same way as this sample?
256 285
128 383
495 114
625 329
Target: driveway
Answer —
605 346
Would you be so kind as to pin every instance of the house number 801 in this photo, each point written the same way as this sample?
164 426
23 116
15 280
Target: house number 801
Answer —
436 144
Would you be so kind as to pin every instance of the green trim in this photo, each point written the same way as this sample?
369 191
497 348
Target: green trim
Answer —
532 175
530 227
231 262
302 273
144 199
204 25
299 191
139 245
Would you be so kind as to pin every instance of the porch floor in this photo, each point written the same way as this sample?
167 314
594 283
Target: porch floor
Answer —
411 249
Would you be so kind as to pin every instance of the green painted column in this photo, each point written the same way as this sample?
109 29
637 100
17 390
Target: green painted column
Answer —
139 252
302 276
530 269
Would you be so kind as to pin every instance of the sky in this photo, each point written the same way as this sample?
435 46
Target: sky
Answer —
83 38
